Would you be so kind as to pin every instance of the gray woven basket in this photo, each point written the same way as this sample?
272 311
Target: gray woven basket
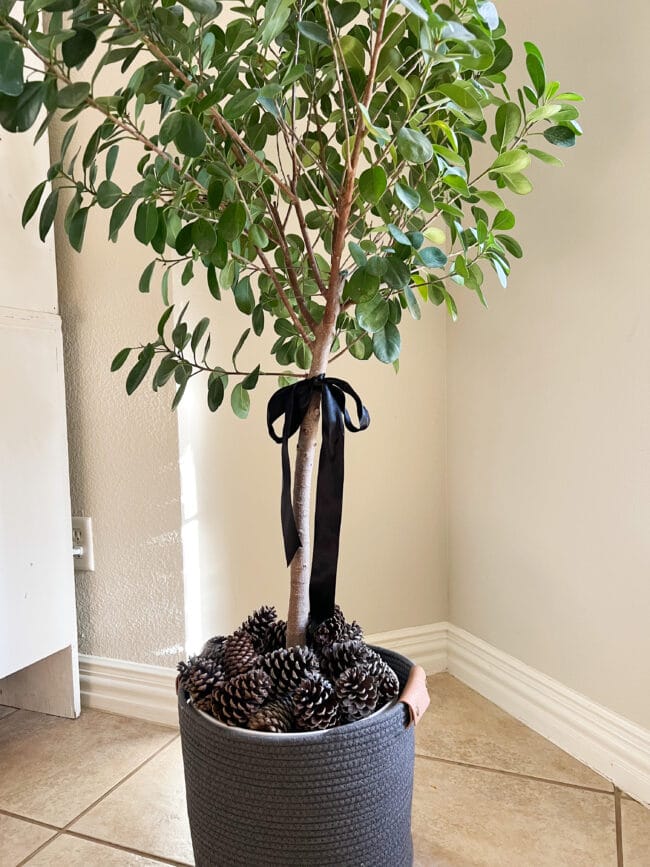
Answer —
338 798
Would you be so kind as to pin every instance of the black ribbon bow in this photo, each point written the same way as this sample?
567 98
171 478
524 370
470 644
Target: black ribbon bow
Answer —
292 402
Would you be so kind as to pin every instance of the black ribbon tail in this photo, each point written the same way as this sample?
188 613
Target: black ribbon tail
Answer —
292 402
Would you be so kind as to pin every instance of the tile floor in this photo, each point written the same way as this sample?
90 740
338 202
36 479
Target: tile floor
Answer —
489 792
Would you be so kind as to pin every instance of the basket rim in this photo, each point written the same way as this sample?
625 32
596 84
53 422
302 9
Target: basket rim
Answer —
388 712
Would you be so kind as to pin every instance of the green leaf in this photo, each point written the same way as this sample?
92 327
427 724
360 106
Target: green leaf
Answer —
313 31
435 235
372 315
79 47
140 369
11 68
240 343
32 203
48 213
204 237
240 401
146 222
164 319
415 8
465 101
397 273
244 298
119 216
505 219
108 194
412 303
215 193
511 162
145 280
216 392
386 344
518 183
544 157
250 381
561 136
18 113
73 95
169 128
120 358
276 15
432 257
535 67
240 103
199 332
507 120
407 196
201 8
77 229
513 247
489 14
490 198
258 319
232 221
414 146
372 184
213 283
111 159
398 235
190 138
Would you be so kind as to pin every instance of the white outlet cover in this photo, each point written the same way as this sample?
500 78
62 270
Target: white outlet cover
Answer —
82 537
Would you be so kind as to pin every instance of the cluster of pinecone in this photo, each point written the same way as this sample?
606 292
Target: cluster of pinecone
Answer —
252 680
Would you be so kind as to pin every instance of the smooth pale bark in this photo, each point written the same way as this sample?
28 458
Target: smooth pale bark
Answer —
298 615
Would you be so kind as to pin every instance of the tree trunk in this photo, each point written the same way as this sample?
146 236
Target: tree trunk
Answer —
305 454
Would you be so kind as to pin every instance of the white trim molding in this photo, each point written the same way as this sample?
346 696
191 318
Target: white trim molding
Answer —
610 744
615 747
129 689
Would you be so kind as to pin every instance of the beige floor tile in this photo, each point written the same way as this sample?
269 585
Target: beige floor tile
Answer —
68 851
635 822
53 768
6 711
18 839
463 726
147 812
464 817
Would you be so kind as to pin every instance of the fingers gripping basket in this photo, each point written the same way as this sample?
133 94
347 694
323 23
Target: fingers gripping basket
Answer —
337 798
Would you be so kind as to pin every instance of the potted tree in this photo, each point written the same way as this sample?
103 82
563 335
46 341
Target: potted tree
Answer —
331 166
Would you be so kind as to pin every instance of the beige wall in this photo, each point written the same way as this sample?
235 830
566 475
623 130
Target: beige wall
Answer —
123 455
549 411
392 566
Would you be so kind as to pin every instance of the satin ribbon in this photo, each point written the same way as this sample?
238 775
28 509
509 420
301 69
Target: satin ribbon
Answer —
292 403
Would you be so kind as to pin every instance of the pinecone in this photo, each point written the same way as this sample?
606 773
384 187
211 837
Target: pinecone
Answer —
199 676
239 654
213 648
339 655
274 716
276 637
357 692
385 678
237 699
258 626
315 705
335 628
287 667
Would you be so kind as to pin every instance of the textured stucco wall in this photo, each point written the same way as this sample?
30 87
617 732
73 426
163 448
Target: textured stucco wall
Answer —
549 391
123 455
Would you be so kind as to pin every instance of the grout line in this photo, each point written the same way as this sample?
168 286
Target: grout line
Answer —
7 715
619 826
31 821
96 802
515 774
163 858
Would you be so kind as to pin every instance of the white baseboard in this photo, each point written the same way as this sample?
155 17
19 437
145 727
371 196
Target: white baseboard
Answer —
606 742
610 744
129 689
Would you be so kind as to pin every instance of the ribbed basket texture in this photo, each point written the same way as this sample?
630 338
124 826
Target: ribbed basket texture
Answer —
338 798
